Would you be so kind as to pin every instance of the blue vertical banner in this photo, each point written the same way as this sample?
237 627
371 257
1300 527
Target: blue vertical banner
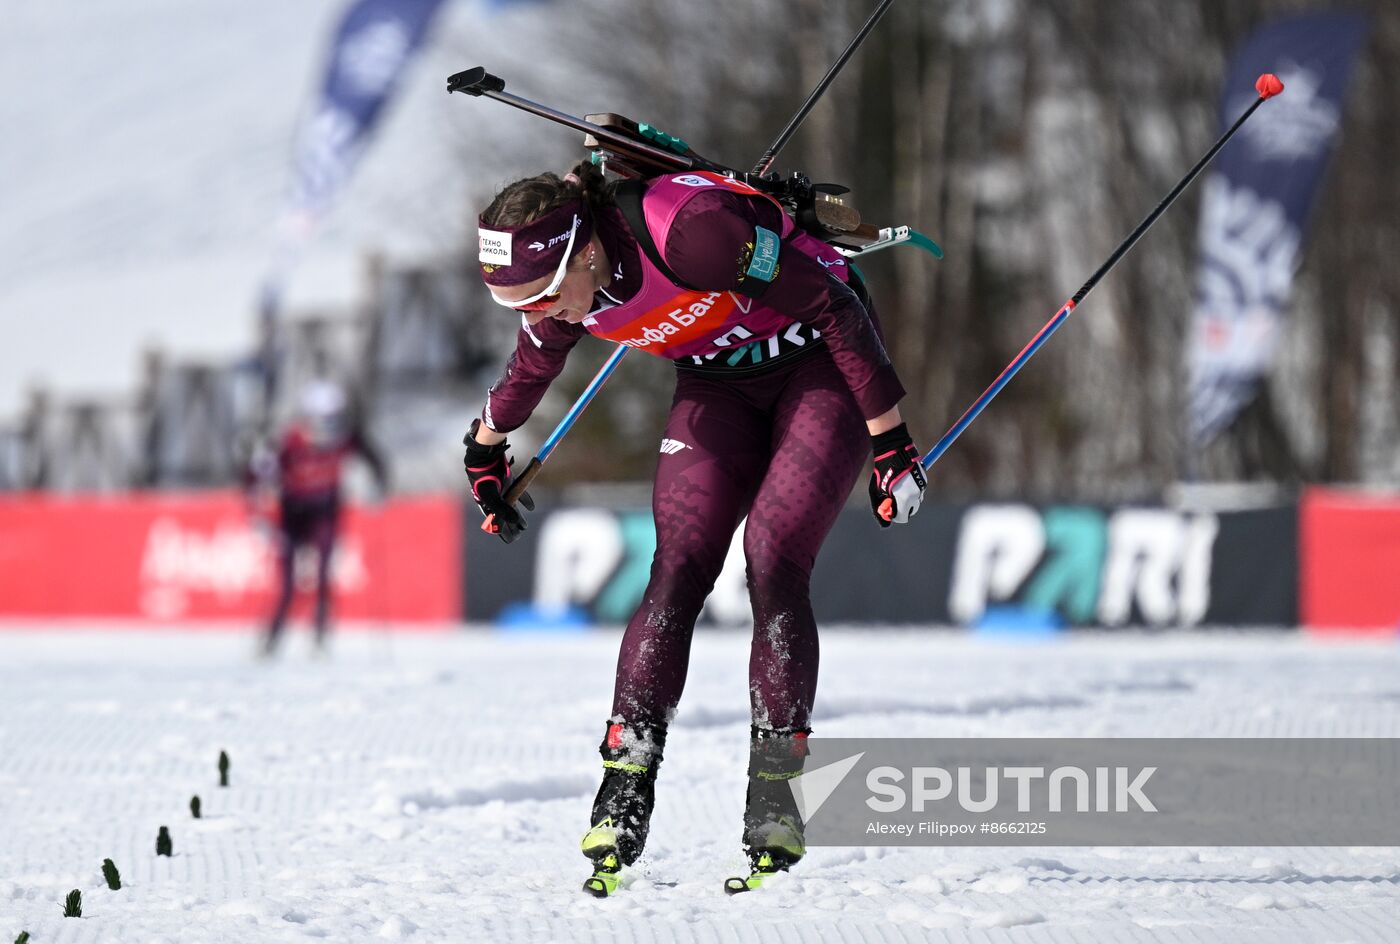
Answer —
372 46
1255 209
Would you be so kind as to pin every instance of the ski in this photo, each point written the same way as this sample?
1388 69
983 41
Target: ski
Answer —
764 869
605 878
600 845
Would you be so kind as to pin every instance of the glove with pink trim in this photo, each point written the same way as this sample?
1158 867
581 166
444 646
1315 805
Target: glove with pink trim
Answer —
897 484
488 471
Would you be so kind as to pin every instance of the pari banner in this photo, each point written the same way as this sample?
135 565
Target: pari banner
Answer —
201 557
1256 204
997 567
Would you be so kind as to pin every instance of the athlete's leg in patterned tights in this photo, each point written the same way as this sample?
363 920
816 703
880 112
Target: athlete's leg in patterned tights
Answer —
785 448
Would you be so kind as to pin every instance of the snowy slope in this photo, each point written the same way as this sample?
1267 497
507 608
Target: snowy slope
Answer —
433 788
144 156
142 167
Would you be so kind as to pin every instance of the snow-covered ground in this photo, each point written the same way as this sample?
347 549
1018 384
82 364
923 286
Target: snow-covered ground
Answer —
433 788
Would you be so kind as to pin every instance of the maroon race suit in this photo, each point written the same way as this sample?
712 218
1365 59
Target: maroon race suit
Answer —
308 478
772 429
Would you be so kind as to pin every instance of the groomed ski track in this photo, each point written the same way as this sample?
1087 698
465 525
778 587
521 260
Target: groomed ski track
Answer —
433 787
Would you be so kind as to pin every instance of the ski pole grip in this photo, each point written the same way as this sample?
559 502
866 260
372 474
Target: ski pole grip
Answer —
523 480
475 81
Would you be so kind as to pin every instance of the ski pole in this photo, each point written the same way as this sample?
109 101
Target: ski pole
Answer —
527 475
770 155
1267 85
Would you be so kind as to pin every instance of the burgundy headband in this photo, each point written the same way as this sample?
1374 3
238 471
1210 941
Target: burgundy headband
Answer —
536 249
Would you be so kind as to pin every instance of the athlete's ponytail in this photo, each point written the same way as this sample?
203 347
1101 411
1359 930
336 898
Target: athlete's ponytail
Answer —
527 200
588 182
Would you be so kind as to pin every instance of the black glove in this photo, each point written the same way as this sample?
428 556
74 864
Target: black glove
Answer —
897 484
488 471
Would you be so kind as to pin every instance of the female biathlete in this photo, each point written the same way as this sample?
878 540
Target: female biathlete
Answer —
783 384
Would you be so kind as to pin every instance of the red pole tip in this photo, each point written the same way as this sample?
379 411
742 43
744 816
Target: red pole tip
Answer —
1268 85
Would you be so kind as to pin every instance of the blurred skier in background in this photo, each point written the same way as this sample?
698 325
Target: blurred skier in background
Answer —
305 471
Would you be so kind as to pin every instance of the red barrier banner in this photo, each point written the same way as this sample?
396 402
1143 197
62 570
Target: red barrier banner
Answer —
1349 560
201 557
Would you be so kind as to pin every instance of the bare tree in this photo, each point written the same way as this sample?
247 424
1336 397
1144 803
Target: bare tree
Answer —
1029 138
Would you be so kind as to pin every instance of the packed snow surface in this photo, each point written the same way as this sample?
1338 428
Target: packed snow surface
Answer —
433 787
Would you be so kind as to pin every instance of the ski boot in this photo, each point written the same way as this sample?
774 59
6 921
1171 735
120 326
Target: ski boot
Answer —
773 838
622 810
